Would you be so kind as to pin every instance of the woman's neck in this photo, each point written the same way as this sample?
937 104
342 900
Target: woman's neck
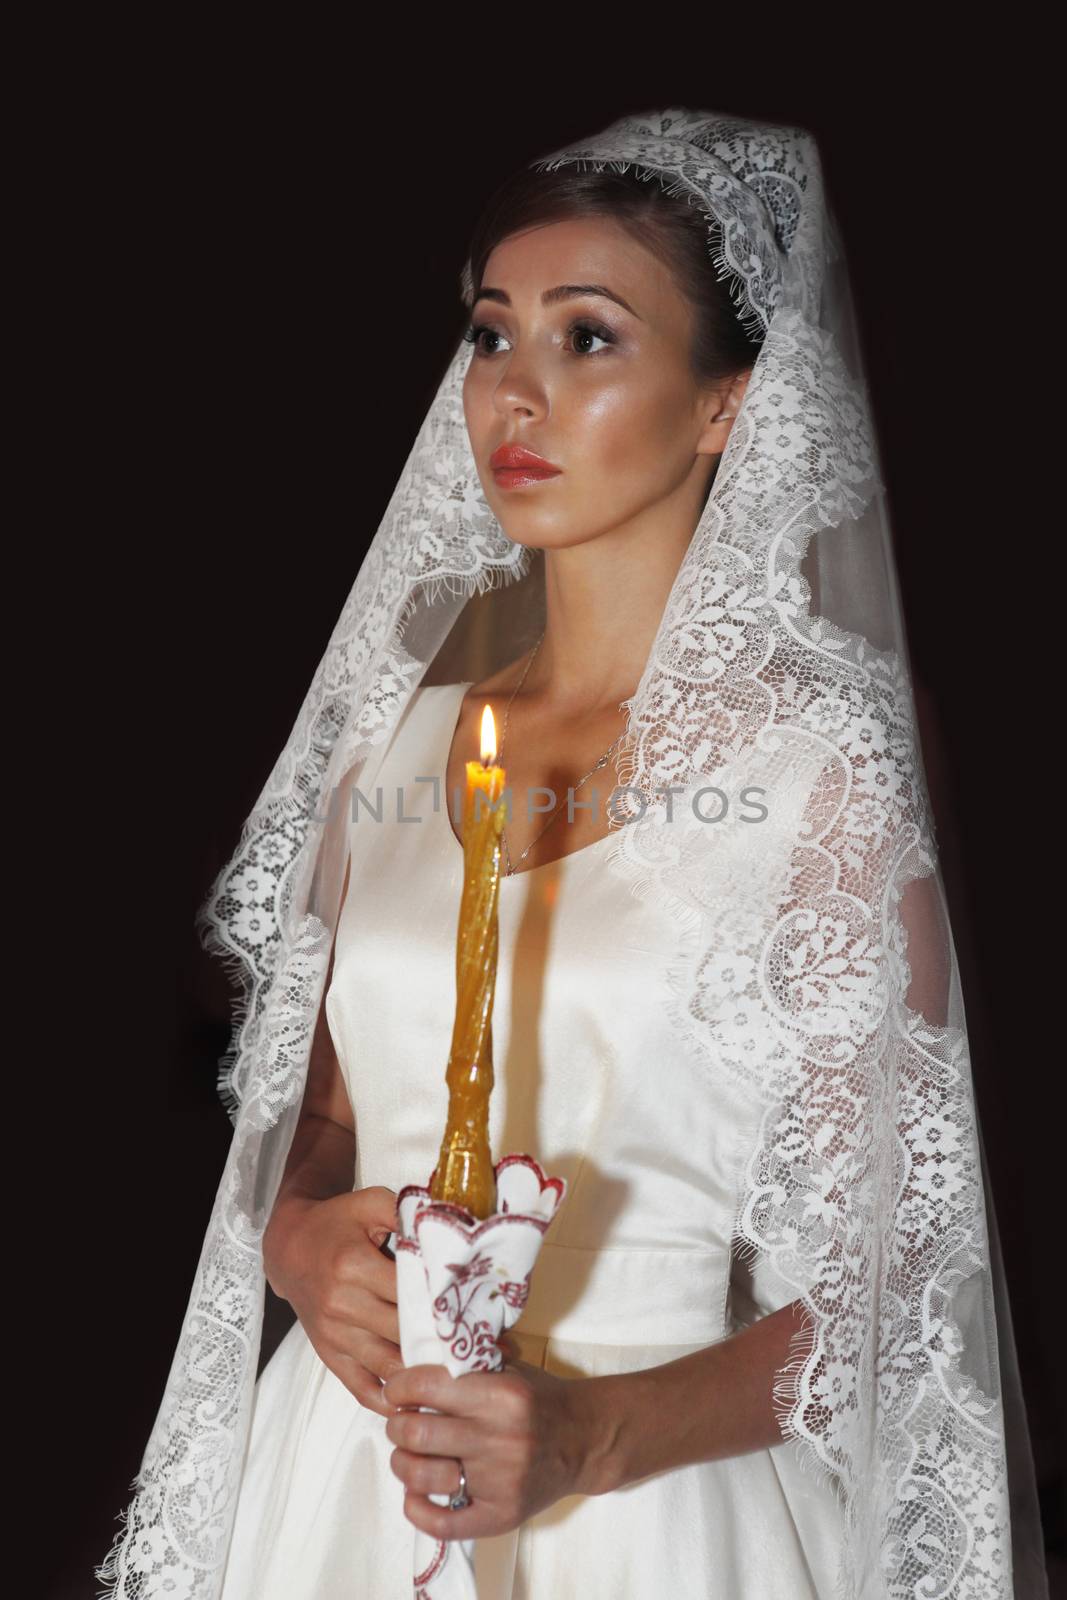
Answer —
604 602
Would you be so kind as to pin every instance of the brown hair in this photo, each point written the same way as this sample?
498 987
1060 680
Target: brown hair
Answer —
668 225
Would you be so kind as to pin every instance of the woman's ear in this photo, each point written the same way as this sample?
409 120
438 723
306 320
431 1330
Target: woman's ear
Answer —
723 405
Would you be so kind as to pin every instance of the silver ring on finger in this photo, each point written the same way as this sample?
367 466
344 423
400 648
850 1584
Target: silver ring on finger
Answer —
461 1498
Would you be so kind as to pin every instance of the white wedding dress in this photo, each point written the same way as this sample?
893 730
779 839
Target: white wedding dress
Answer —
636 1269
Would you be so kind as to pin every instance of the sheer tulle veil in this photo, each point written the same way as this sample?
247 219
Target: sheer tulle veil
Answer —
815 962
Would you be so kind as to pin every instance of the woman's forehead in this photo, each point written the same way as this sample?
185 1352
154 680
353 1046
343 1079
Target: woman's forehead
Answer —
530 269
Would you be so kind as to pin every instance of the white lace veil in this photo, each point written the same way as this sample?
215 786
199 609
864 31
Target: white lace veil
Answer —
815 963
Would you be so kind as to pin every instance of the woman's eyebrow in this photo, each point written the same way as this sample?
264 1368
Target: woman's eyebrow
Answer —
563 291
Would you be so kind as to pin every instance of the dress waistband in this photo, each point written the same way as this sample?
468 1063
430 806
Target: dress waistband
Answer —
627 1296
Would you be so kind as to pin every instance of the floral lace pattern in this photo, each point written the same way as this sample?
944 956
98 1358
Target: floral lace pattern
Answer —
863 1189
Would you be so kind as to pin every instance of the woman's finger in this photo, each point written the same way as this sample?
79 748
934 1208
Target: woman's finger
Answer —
425 1474
359 1382
430 1383
476 1521
380 1356
427 1433
351 1308
372 1271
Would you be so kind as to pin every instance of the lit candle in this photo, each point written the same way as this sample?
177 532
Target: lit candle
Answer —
464 1173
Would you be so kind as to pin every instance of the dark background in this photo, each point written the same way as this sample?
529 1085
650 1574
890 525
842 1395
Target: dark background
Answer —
274 241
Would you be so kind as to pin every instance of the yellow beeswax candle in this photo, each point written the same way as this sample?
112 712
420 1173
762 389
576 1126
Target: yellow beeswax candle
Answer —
464 1173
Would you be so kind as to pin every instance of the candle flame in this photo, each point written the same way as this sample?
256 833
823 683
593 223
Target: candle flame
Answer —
488 737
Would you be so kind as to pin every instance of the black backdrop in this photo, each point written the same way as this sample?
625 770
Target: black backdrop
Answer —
281 308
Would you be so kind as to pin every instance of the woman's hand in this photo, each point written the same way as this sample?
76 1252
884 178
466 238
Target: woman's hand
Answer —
323 1257
525 1437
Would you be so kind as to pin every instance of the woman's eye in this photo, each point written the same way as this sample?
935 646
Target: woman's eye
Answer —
474 336
586 330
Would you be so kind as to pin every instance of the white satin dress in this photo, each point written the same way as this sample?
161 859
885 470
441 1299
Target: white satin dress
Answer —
636 1269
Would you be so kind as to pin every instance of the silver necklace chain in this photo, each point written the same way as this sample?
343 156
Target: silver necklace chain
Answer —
574 788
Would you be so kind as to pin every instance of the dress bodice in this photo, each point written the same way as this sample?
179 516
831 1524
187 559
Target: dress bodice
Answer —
589 1074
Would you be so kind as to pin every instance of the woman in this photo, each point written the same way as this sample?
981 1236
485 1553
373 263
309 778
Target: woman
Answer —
757 1357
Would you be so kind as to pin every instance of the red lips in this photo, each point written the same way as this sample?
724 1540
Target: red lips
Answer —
514 458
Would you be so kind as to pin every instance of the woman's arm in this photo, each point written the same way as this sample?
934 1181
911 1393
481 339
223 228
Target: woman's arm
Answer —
527 1437
713 1403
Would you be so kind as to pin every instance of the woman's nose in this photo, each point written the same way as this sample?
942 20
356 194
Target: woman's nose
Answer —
519 391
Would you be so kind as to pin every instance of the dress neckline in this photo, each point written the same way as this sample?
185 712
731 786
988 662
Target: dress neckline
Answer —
446 810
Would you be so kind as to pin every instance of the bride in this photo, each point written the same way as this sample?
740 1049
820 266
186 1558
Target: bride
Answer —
643 522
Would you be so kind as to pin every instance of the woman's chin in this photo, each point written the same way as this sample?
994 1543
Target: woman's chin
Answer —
534 531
